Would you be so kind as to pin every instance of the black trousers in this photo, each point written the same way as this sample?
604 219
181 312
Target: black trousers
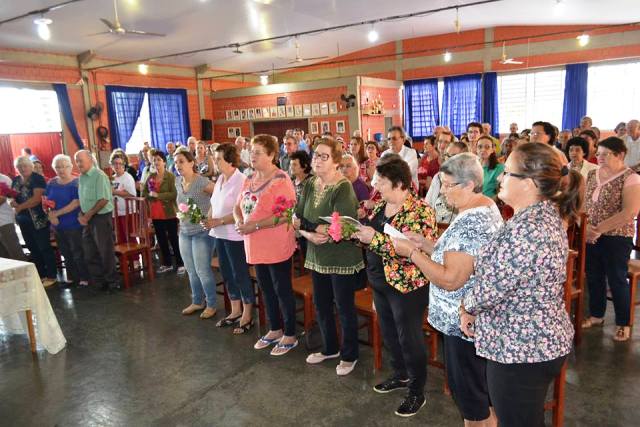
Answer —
167 232
400 316
97 241
339 289
70 244
39 244
275 282
518 390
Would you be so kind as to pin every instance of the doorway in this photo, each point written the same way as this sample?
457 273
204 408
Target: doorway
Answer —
278 128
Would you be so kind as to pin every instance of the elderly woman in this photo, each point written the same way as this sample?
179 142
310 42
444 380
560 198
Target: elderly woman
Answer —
63 191
400 291
33 221
123 187
612 202
268 243
449 269
229 243
160 191
196 246
516 298
334 266
492 169
204 161
349 168
300 170
445 213
130 169
578 151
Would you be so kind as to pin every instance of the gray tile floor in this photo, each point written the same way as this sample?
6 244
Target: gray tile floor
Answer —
133 360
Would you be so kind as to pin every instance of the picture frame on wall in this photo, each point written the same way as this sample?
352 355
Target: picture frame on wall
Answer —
340 128
265 112
231 132
290 112
229 114
282 111
315 109
236 114
324 109
325 127
298 110
314 128
251 114
306 110
243 114
258 113
273 111
333 108
238 132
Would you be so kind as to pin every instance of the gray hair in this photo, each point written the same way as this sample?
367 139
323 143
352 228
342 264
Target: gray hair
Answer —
61 158
87 153
351 159
465 167
22 160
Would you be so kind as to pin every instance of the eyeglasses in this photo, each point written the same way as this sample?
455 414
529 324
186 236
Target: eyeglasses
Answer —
449 186
321 156
515 175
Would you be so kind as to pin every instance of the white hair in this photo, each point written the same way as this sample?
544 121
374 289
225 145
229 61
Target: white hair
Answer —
22 161
192 138
61 158
89 154
465 167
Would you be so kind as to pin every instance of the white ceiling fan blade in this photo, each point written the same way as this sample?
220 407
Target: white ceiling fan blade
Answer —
99 34
143 33
315 58
108 24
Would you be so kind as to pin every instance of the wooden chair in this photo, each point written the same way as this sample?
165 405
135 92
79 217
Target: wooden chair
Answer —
303 288
139 244
432 337
364 307
442 226
577 237
634 274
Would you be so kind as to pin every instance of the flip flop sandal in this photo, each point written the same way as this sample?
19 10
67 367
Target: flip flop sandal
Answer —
282 349
265 342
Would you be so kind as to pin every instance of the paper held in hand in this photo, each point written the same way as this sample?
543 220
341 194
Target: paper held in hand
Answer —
343 219
391 231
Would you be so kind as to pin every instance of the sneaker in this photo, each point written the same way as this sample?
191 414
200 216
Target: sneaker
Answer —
390 385
48 281
164 268
345 368
181 270
411 405
315 358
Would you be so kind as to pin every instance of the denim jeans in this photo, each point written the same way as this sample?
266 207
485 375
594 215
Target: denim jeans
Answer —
197 251
275 282
235 270
39 244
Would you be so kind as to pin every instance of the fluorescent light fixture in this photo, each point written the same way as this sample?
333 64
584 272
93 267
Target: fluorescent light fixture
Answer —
43 28
143 69
447 56
583 39
264 80
373 35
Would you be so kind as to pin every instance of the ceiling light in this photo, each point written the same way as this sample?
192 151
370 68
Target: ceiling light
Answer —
373 35
43 28
264 80
583 39
447 56
143 69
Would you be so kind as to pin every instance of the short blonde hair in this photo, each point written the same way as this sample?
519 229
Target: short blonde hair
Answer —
22 160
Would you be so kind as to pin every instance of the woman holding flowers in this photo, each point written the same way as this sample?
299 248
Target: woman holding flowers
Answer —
196 246
334 263
400 291
269 243
160 192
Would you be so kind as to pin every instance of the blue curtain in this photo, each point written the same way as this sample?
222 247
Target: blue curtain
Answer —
574 106
169 115
65 108
462 102
490 101
123 106
421 107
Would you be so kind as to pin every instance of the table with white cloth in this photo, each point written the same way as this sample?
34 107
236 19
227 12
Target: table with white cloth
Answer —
25 307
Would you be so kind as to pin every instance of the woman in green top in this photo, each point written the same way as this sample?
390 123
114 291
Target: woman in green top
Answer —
334 266
160 191
492 169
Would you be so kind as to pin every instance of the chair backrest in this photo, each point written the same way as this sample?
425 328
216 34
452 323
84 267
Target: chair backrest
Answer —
137 223
568 284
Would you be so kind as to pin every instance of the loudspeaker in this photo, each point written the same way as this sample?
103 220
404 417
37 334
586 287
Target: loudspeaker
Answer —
206 133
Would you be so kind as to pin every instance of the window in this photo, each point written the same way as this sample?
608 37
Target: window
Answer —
142 131
525 98
28 111
613 93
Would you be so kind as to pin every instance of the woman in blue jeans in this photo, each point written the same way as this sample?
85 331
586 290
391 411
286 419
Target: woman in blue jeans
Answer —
196 246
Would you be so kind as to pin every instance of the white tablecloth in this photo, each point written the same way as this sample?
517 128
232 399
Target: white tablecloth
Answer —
21 290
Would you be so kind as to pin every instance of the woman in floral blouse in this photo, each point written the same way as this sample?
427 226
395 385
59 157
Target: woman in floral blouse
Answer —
400 291
516 300
449 270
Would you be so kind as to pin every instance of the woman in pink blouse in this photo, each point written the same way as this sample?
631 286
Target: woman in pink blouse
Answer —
269 245
515 308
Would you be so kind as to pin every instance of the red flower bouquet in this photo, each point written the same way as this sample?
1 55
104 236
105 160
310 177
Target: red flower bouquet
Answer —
48 204
283 208
6 191
152 185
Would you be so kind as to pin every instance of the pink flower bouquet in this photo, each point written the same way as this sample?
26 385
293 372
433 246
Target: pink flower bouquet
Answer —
190 211
283 208
340 229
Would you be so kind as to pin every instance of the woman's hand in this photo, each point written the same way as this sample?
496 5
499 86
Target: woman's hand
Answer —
467 323
315 238
296 222
365 234
53 219
368 204
209 223
16 206
592 234
245 229
153 194
403 247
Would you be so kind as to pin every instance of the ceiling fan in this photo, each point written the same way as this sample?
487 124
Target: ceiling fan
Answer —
299 59
117 28
505 60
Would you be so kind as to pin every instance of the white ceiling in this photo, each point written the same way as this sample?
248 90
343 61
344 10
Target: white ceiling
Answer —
194 24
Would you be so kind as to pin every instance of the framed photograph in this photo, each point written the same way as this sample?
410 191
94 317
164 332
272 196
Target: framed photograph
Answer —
314 128
251 114
236 114
315 109
282 111
298 110
265 112
325 127
324 109
333 108
231 132
306 110
238 132
340 126
229 114
274 111
258 113
290 111
243 114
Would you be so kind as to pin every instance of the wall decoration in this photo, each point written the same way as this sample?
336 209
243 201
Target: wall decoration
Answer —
340 126
251 114
314 128
243 114
238 132
281 100
315 109
258 113
298 110
326 127
333 108
290 111
273 111
306 110
229 114
324 109
265 112
282 111
236 114
231 132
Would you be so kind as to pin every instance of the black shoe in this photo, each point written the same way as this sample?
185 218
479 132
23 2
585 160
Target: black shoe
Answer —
390 385
411 405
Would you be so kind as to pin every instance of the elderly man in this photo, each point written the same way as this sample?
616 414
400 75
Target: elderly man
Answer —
586 123
96 207
513 128
486 131
545 133
9 242
563 138
171 148
245 155
192 141
632 141
396 138
291 145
